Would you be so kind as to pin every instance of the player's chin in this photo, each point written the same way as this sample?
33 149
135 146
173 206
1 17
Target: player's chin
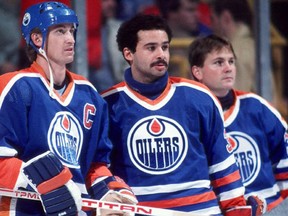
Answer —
69 54
159 73
229 85
160 69
228 81
69 59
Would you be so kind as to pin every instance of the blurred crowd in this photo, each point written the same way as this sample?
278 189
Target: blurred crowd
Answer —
188 19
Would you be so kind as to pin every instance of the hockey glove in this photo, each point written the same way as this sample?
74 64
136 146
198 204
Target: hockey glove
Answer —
284 194
112 189
257 204
58 193
255 207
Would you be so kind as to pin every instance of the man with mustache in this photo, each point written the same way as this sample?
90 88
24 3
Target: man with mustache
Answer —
167 132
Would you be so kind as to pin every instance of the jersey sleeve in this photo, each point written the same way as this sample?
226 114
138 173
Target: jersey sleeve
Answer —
224 174
14 106
275 128
100 135
15 100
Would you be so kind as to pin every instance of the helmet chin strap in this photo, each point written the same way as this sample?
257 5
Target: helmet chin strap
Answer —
51 93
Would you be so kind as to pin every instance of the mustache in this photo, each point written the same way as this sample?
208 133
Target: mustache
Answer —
161 61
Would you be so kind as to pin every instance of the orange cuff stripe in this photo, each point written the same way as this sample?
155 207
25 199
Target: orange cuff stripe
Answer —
281 176
227 179
237 201
55 182
97 170
102 170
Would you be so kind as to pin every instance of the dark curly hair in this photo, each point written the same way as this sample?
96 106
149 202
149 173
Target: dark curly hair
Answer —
127 35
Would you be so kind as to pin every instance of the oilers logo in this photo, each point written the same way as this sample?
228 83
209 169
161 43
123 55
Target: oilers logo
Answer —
65 138
26 19
247 155
157 145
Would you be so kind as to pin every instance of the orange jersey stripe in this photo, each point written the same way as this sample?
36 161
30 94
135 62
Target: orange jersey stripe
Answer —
5 78
281 176
227 179
149 101
173 80
9 172
239 201
274 204
189 200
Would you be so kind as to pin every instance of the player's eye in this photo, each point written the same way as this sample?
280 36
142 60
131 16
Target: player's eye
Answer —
61 31
72 30
232 61
165 47
219 62
151 48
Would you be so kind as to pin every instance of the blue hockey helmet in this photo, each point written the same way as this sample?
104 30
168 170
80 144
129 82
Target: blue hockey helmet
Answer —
46 14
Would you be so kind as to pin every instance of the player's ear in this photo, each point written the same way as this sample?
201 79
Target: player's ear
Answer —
196 73
128 55
37 39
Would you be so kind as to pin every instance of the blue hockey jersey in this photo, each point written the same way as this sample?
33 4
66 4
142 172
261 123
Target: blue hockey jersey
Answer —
172 150
74 126
259 141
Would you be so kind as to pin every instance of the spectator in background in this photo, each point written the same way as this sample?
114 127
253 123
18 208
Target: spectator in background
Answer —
232 20
9 43
183 18
111 67
129 8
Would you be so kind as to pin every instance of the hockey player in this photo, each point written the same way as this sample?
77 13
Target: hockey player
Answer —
255 129
54 124
168 132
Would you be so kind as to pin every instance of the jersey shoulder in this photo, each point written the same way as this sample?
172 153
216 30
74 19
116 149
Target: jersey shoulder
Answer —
77 76
188 82
11 77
